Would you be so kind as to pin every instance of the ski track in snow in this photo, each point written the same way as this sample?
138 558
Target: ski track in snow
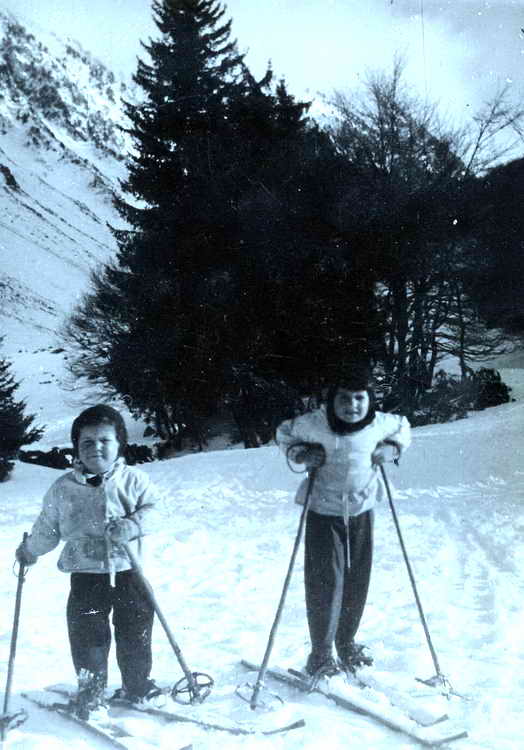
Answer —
217 565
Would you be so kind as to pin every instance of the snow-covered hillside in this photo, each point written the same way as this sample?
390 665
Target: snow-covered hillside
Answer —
61 155
219 559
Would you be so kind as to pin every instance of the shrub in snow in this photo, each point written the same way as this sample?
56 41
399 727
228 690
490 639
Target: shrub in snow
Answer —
56 458
15 426
138 454
451 397
6 468
491 390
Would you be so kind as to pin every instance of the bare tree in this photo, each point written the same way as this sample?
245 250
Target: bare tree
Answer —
410 193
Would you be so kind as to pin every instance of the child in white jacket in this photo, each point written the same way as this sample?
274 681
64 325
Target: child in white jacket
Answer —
95 508
345 441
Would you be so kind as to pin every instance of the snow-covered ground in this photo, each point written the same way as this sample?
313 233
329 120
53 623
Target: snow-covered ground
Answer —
218 563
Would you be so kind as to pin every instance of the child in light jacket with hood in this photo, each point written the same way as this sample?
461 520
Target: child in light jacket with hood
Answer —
95 508
345 442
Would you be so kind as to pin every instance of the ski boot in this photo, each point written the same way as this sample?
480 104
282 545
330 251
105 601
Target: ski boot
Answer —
149 696
319 666
90 699
352 657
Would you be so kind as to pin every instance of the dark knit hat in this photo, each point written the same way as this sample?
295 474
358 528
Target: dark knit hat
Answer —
99 415
355 378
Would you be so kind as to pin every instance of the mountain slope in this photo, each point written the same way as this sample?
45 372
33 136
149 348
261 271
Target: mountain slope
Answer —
61 155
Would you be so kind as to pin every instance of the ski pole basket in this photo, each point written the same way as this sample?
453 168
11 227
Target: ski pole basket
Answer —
11 721
192 690
266 699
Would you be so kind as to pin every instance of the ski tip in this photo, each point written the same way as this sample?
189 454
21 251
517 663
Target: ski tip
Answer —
12 720
441 740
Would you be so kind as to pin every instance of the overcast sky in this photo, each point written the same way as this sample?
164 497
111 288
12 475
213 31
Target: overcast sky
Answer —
457 51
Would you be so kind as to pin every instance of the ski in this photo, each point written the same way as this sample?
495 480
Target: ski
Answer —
353 700
13 720
174 717
426 715
109 732
171 716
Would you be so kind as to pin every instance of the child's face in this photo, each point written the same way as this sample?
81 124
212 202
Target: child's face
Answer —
98 447
351 406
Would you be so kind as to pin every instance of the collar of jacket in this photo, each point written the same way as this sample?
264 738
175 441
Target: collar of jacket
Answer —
348 428
81 476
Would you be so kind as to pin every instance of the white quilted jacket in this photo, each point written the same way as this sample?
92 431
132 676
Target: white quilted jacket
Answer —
347 484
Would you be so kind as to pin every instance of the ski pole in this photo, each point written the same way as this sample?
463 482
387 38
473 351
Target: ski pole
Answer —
198 690
265 660
439 677
14 638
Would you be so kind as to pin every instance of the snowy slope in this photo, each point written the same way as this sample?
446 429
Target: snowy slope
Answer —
219 559
61 155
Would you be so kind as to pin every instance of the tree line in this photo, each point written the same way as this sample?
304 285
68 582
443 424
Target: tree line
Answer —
260 253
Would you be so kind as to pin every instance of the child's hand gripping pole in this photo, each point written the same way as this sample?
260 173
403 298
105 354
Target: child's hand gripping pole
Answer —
196 685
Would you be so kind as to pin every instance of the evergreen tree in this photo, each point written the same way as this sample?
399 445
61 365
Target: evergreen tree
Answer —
150 317
163 326
229 287
177 129
15 426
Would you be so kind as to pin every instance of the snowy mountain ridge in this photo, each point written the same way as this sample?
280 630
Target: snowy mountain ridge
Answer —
65 86
62 153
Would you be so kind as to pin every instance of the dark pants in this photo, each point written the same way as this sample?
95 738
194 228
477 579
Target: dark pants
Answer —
335 594
90 602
